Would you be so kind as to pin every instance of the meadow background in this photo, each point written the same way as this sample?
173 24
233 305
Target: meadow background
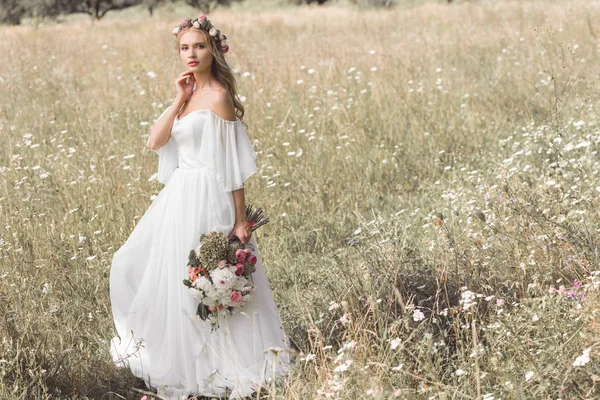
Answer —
431 174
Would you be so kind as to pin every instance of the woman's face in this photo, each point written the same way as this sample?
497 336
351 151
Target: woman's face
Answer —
193 48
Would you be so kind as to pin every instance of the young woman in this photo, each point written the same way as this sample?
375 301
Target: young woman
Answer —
204 157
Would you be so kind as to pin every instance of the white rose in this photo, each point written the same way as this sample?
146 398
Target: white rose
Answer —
239 283
203 284
196 24
197 295
212 32
222 278
209 302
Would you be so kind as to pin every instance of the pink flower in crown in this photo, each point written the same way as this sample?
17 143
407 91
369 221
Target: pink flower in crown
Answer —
201 18
225 49
235 296
240 255
252 259
175 31
239 269
184 22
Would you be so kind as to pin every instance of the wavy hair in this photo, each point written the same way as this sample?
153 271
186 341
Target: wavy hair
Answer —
220 69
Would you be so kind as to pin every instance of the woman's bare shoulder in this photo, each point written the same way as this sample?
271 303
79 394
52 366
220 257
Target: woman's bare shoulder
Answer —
222 105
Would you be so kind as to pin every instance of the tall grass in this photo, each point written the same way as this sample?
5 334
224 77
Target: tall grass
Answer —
431 174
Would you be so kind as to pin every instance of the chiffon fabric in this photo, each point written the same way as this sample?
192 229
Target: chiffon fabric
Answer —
159 336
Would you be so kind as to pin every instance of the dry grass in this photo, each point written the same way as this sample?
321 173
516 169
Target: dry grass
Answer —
412 162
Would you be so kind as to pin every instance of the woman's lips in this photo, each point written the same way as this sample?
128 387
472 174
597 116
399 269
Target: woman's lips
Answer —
191 64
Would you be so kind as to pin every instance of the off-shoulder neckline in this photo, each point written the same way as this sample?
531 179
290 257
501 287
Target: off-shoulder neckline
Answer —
211 112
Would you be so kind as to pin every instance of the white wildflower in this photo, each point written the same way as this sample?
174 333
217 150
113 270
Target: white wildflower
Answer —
529 375
583 359
418 315
343 367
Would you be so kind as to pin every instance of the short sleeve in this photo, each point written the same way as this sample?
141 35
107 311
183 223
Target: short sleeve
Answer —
167 157
227 150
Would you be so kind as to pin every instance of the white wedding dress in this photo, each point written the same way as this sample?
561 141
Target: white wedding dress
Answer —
159 336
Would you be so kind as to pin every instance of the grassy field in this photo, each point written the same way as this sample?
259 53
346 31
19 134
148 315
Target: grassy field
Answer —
431 174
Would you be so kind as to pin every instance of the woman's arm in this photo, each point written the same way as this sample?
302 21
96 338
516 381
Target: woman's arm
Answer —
223 107
161 131
241 229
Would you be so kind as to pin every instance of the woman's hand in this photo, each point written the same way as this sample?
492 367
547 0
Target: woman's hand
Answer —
242 230
184 89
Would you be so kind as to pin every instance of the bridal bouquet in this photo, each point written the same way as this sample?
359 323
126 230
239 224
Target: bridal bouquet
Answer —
220 271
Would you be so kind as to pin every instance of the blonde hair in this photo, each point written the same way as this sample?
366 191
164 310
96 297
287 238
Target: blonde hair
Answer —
220 70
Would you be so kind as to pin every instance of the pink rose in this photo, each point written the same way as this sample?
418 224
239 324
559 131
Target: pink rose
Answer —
252 259
235 296
212 308
184 22
240 255
201 18
192 274
239 269
225 49
247 251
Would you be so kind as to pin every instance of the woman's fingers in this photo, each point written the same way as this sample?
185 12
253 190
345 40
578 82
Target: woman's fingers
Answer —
185 75
182 78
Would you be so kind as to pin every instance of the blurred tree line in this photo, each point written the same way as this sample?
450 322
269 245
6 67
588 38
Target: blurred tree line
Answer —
13 11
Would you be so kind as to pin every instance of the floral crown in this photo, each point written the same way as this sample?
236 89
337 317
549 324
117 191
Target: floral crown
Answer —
203 23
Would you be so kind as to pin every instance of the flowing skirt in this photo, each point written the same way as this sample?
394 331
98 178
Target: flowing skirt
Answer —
159 336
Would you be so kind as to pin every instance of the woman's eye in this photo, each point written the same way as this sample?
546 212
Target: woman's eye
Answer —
201 46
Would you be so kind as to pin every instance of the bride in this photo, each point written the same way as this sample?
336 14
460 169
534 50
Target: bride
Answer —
204 158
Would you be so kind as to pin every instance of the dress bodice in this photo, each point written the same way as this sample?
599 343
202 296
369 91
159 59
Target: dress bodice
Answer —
187 133
203 139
